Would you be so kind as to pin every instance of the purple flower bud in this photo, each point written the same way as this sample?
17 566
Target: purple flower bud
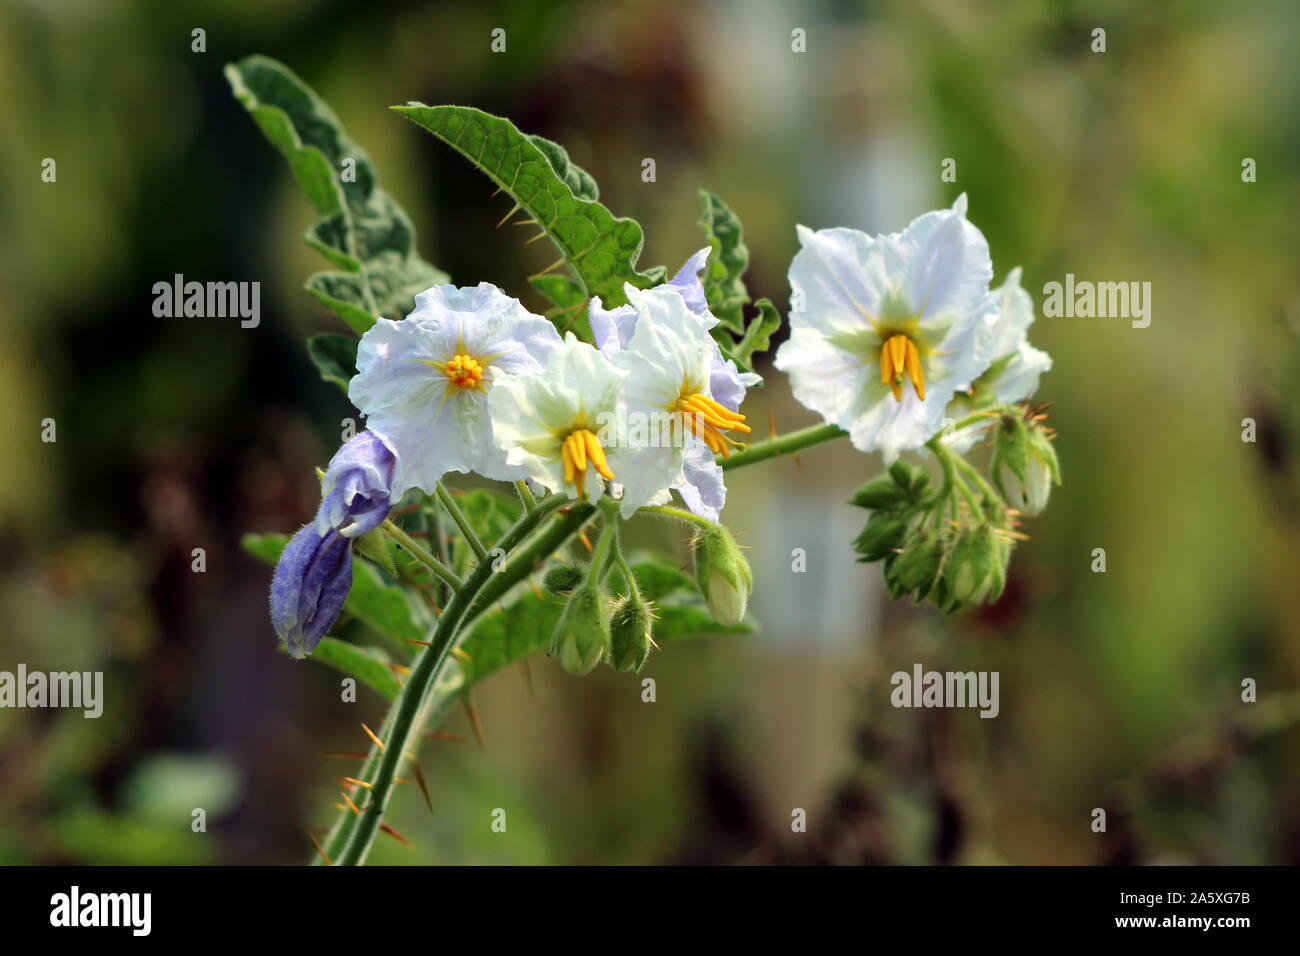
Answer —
356 487
310 584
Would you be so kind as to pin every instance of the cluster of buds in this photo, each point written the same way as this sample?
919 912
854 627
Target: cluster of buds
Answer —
595 626
934 544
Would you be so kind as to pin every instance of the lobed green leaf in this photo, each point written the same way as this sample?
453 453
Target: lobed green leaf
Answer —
600 250
362 230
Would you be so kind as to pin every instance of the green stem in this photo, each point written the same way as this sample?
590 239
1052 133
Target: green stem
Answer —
784 445
458 516
424 675
681 514
980 480
421 555
525 559
525 495
621 560
607 540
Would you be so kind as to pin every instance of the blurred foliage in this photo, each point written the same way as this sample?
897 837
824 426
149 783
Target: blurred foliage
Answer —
1120 690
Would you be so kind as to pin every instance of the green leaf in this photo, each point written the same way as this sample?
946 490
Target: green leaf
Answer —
601 250
383 606
491 514
575 177
335 357
723 279
370 665
502 636
265 547
362 231
758 336
566 293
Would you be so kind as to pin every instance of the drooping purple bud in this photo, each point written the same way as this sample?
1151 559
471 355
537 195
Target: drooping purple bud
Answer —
356 487
311 582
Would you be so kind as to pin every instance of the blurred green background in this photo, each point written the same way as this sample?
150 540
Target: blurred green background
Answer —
1118 690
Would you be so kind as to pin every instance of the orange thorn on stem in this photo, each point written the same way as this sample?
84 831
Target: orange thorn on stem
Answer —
395 835
371 734
328 861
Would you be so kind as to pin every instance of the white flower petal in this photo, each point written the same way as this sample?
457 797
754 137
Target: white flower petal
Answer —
432 425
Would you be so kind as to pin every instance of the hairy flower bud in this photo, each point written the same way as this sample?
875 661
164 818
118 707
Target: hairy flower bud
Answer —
310 584
884 532
630 628
563 578
918 565
1024 464
976 569
581 638
722 574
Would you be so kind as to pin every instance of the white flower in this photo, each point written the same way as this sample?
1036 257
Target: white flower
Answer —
700 481
548 425
423 382
880 312
670 361
1016 365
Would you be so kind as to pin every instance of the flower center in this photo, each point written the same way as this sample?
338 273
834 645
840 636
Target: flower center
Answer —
898 356
464 371
580 449
708 420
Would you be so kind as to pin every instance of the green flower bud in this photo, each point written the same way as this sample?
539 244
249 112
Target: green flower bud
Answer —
919 564
977 566
878 494
629 634
722 574
883 533
1024 464
563 578
903 474
581 635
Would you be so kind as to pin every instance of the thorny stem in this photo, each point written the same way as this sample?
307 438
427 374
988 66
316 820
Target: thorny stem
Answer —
403 722
784 445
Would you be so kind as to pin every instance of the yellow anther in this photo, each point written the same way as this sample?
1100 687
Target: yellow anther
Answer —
899 356
581 448
464 371
708 419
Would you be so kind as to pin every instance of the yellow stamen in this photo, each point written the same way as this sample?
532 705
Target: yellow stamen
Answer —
708 419
914 369
580 449
900 356
596 455
464 371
